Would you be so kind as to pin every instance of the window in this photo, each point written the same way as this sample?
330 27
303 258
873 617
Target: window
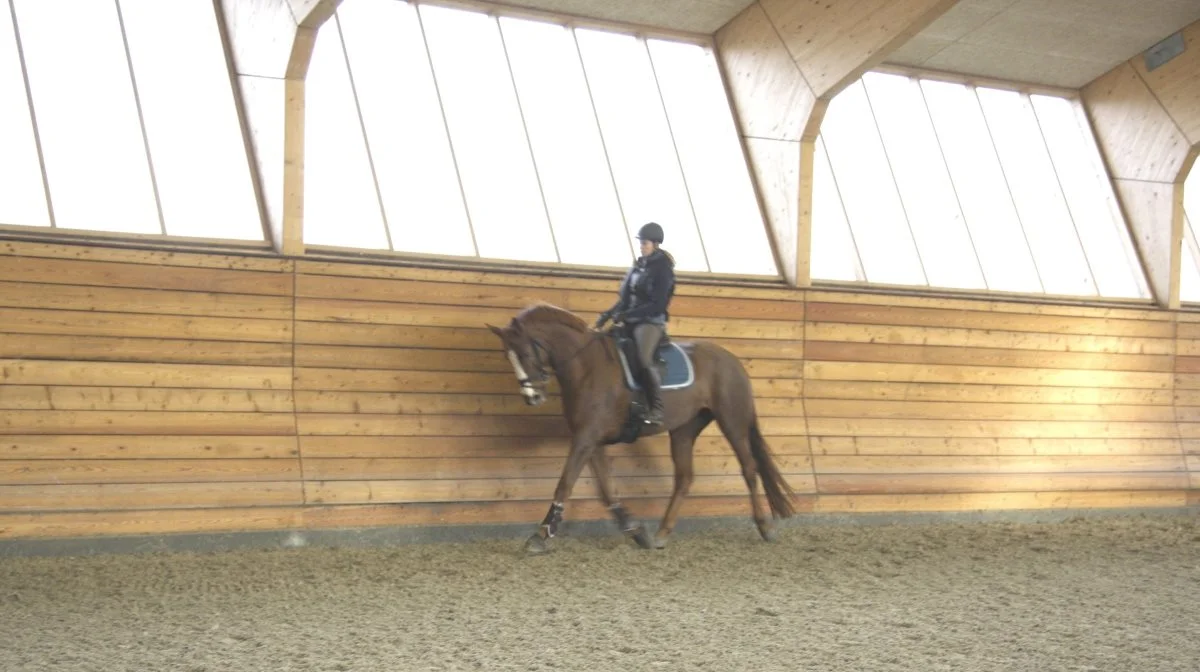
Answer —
950 185
135 137
450 131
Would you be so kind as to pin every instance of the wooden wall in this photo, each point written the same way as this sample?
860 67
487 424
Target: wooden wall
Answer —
154 392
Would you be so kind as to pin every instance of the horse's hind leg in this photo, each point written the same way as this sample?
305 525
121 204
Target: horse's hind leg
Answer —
683 440
738 435
630 527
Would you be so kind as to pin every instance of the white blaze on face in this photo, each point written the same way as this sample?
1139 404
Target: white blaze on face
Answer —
526 389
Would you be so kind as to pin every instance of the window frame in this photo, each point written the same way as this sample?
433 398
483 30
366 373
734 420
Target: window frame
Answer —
54 233
1094 159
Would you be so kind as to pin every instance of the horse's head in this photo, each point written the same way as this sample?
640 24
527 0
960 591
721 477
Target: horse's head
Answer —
526 356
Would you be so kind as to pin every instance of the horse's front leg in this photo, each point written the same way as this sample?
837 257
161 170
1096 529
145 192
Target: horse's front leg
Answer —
629 526
582 447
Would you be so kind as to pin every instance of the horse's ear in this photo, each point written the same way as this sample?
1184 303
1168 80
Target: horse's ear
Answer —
515 326
496 330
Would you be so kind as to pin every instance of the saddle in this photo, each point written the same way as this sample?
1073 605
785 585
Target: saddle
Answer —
675 370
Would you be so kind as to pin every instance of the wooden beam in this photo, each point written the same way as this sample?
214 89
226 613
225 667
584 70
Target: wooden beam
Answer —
1147 124
271 43
785 60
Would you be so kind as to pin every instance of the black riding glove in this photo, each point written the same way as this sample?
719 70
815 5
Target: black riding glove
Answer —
604 317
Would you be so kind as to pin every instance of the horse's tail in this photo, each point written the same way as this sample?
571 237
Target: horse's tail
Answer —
779 493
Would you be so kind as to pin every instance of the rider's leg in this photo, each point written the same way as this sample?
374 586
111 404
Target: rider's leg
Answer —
647 337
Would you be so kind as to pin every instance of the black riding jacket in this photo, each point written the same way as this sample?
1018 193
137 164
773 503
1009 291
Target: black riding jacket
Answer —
647 290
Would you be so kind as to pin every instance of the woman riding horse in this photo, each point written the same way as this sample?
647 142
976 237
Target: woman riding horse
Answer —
644 298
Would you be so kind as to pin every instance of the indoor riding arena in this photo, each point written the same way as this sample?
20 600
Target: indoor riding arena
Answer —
330 335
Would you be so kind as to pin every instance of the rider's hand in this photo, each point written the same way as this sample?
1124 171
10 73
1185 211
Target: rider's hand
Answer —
604 317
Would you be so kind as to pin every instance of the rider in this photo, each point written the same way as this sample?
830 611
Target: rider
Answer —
645 295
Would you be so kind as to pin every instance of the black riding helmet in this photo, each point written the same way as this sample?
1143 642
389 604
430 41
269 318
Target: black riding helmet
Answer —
652 232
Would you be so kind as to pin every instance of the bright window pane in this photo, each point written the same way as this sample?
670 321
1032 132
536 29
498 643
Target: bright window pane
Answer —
187 102
714 166
868 191
1189 279
833 254
925 188
87 119
488 135
644 163
1089 196
405 129
588 225
982 191
22 197
1034 186
341 206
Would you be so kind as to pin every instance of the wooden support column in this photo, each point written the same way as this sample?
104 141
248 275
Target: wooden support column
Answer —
1147 124
271 43
784 60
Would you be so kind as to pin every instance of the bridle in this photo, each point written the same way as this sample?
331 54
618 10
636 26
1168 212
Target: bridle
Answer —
540 364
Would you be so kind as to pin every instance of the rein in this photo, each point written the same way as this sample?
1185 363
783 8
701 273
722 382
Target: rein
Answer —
539 348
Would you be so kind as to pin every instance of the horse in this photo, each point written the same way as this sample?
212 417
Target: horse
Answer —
600 408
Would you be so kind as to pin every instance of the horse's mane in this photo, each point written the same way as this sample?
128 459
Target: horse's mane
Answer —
546 312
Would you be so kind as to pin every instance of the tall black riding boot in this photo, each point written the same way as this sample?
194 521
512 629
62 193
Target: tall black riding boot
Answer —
652 383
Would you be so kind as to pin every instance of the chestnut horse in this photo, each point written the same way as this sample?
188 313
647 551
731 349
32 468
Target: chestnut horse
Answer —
596 403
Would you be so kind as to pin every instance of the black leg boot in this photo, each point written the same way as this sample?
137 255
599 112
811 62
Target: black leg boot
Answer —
652 383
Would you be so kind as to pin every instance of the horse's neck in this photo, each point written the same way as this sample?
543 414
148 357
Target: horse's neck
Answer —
572 351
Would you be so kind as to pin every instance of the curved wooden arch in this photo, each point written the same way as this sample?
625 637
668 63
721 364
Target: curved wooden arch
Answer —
784 60
1147 124
270 45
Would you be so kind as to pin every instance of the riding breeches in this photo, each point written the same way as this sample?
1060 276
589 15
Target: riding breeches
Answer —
647 336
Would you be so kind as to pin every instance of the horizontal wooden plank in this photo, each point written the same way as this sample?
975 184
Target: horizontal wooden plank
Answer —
87 323
437 468
1187 364
146 447
372 312
76 524
136 301
363 492
398 403
92 497
455 338
985 375
1189 430
69 398
847 484
955 410
114 274
512 447
975 393
990 428
1014 304
1187 381
994 464
818 311
887 445
111 349
518 297
52 472
137 422
991 357
359 424
991 501
553 278
986 338
362 380
1191 446
1187 347
34 372
87 251
494 360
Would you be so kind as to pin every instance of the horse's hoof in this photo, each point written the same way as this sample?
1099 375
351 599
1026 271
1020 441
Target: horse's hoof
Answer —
638 534
768 534
536 545
660 542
